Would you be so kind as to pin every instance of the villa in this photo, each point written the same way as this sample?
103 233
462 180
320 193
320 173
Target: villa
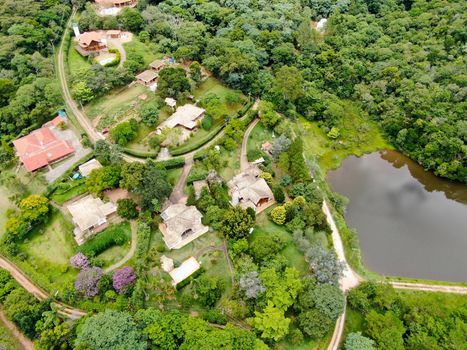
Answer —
43 146
182 224
248 190
117 3
90 216
185 116
147 78
90 42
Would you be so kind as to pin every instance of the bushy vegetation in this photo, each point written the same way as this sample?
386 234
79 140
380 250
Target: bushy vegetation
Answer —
113 235
406 319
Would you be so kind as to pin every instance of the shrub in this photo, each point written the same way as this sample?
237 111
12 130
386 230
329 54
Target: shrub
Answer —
279 195
114 235
279 215
123 278
209 289
87 281
171 163
206 124
254 154
116 60
127 208
79 261
214 316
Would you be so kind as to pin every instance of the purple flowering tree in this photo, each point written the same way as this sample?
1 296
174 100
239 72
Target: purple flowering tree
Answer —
80 261
123 278
87 280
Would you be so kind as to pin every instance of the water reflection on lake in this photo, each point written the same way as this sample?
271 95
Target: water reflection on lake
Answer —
410 222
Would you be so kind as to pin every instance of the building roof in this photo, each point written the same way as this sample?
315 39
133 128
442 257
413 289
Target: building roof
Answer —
56 121
249 190
170 102
185 116
89 211
113 32
157 64
87 38
40 148
86 168
167 263
182 224
147 76
185 270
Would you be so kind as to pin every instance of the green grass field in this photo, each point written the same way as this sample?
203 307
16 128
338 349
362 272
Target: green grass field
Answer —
77 187
358 136
258 136
146 50
48 250
76 61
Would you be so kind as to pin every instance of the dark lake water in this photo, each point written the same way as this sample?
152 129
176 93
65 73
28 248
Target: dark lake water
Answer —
410 223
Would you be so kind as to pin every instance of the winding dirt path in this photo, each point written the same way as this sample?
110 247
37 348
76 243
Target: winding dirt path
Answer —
244 165
131 252
177 195
38 292
81 118
25 342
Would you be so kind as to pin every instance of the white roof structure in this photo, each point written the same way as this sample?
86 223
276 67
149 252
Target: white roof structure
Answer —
185 116
248 190
86 168
182 224
185 270
88 213
170 102
167 263
321 24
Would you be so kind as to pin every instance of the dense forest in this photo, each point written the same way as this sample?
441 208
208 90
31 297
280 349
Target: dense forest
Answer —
401 60
29 33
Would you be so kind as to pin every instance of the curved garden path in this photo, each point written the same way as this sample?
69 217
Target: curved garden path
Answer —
38 292
25 342
131 252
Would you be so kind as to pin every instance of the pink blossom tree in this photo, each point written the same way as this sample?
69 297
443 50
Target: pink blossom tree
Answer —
123 278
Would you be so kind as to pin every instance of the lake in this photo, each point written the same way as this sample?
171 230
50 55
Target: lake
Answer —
410 223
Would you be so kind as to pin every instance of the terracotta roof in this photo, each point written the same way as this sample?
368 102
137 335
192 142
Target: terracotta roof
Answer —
40 148
113 31
87 38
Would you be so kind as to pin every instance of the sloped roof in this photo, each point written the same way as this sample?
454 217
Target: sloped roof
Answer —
246 187
86 168
157 64
147 76
185 116
87 38
89 211
40 148
178 219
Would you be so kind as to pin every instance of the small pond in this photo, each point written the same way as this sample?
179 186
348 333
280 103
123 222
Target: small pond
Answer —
410 223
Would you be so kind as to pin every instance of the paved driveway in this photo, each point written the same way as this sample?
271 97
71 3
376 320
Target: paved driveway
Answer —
58 169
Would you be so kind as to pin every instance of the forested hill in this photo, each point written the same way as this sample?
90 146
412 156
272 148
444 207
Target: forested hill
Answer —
28 93
402 60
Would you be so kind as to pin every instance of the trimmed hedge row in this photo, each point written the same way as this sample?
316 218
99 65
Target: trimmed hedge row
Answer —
172 163
202 141
187 281
51 188
141 154
114 235
196 175
116 61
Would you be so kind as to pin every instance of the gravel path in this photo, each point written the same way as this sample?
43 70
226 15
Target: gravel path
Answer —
25 342
131 252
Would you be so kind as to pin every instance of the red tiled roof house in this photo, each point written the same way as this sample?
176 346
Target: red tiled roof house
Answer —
41 148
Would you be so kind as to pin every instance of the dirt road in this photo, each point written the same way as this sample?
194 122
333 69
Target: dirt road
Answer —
244 150
38 292
177 195
25 342
83 121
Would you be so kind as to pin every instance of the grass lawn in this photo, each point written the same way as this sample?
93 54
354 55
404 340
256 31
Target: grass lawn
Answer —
173 175
8 340
358 136
146 50
213 85
116 105
114 254
264 226
48 251
233 163
258 136
77 187
5 204
75 60
191 249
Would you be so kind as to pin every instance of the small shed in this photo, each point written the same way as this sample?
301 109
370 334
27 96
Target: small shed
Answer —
157 65
114 33
148 77
167 263
169 101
